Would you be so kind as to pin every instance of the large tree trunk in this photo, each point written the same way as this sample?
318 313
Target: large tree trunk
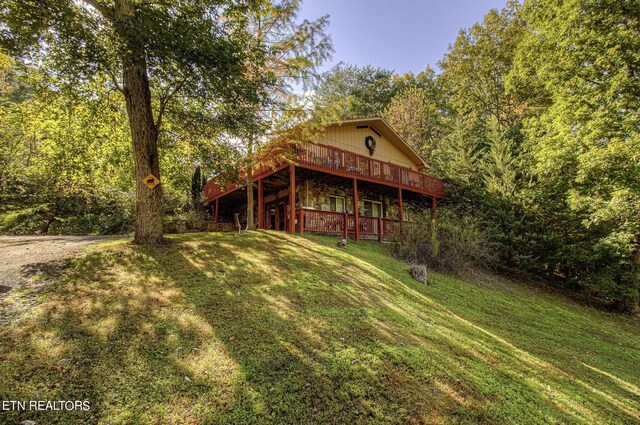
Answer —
144 135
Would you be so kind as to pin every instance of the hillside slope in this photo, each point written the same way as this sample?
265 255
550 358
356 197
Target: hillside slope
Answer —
269 327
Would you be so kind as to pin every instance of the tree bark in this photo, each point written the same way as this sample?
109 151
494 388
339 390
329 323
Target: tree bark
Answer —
144 135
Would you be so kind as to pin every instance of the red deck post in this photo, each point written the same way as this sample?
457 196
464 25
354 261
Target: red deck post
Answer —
301 221
379 229
401 213
345 229
260 206
218 210
355 209
292 198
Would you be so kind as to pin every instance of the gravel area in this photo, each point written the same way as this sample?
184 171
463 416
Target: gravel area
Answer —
21 257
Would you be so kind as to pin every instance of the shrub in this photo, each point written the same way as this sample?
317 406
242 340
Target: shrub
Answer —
448 244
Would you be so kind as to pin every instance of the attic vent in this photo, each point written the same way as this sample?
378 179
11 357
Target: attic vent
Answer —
371 128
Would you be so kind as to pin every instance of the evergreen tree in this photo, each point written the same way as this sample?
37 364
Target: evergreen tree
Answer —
196 189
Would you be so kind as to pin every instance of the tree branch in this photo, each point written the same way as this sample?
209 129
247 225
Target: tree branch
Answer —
115 81
165 100
104 10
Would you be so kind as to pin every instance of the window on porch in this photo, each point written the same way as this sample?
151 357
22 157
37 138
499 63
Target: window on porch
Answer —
372 208
337 203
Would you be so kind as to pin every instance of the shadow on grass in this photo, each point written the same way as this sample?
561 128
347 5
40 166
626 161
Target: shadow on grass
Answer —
267 327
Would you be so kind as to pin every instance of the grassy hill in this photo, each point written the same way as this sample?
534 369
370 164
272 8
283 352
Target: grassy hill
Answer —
269 327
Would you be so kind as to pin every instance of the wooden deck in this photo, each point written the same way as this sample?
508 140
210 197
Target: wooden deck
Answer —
331 160
336 161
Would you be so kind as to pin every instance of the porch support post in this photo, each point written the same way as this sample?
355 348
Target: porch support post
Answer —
434 208
355 209
401 212
260 206
267 219
218 210
345 228
301 220
292 198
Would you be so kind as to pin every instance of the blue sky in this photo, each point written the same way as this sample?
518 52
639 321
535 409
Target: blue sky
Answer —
402 35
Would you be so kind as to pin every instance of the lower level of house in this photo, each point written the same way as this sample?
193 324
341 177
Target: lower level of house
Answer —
297 199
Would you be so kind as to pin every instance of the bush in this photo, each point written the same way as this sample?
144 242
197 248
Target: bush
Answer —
448 245
108 212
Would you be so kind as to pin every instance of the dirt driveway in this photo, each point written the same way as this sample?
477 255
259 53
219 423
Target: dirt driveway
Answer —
21 257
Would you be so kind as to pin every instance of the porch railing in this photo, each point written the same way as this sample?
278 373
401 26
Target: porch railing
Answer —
322 221
339 161
329 222
212 190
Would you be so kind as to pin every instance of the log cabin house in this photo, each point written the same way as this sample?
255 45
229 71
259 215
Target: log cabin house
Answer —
362 163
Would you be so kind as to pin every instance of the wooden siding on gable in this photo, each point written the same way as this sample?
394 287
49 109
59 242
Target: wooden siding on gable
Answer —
351 138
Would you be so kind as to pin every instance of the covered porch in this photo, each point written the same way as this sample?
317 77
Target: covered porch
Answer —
288 200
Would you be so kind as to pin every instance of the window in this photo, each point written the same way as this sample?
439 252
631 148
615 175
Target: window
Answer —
337 203
373 209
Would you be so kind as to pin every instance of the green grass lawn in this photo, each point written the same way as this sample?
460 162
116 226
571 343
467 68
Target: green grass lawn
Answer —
268 327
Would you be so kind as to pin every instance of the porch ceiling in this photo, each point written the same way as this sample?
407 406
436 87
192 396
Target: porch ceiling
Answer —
324 178
365 186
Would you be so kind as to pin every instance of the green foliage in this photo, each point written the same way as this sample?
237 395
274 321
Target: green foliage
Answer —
286 52
544 146
355 92
446 244
65 162
586 140
415 116
197 183
152 54
473 70
188 45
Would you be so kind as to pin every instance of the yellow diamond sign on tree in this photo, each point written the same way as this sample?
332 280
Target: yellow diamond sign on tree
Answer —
151 181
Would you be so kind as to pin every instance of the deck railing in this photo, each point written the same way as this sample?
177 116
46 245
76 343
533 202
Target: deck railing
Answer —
337 161
329 222
322 221
212 190
340 161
